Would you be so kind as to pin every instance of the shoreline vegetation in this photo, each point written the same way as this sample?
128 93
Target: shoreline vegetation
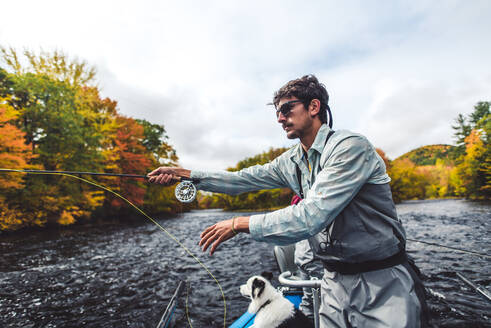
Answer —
52 117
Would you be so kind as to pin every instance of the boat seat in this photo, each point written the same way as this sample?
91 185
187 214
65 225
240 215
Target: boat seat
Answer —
285 258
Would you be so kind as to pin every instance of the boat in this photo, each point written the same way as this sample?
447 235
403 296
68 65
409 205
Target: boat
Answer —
167 319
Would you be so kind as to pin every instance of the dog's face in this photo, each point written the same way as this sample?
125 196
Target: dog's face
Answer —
269 305
256 285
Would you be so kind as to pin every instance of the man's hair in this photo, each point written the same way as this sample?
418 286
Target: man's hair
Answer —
305 89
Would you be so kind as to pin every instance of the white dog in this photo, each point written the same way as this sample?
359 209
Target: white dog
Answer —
271 308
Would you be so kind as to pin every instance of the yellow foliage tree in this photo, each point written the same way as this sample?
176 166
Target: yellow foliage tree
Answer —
472 176
406 181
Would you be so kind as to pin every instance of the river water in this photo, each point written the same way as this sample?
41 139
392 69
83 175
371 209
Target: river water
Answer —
124 275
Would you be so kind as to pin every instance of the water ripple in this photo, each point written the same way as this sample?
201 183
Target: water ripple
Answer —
123 276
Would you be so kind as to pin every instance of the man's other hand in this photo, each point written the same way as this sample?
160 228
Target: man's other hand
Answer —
222 231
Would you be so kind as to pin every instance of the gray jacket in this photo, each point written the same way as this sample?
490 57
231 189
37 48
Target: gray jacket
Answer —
347 214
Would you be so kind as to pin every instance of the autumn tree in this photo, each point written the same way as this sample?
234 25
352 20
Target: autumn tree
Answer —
384 157
131 157
67 125
406 182
14 153
472 175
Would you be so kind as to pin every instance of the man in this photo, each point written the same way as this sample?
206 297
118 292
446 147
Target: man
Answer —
347 213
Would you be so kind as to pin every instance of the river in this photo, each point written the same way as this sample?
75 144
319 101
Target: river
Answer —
124 275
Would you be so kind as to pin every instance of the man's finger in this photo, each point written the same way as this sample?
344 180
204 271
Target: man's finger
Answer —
207 236
158 179
209 241
206 231
154 172
168 178
221 239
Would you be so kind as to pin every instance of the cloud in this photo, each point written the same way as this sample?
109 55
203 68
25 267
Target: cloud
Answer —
408 114
398 72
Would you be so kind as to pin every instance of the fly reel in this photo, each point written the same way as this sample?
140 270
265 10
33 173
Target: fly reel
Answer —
186 191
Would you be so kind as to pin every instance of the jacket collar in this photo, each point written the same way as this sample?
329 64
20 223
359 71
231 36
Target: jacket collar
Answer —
318 145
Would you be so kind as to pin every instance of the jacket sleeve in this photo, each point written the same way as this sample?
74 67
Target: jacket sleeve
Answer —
257 177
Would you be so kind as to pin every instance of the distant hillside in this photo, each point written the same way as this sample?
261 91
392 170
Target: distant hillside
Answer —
427 155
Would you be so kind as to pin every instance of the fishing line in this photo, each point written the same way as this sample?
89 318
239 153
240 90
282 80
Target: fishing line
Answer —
450 247
144 214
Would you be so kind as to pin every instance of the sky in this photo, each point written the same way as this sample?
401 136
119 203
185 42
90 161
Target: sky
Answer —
398 72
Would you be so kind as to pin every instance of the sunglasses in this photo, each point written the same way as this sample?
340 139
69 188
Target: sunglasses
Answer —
287 107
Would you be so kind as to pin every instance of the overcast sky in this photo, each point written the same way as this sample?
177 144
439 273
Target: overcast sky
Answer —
398 72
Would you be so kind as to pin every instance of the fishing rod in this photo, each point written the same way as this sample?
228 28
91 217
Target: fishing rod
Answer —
185 191
474 286
78 173
165 320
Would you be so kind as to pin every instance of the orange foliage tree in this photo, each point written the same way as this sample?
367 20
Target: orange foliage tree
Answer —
14 153
130 157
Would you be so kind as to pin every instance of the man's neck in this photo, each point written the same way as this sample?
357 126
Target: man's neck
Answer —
309 137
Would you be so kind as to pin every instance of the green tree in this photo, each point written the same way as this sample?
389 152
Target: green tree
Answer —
55 65
480 114
156 142
462 130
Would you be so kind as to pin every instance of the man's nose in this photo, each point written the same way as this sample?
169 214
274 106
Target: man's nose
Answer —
281 118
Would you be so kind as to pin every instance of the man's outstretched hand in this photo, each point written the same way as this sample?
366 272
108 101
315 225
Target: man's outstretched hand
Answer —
222 231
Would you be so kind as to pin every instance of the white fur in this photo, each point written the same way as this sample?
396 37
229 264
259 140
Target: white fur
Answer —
273 314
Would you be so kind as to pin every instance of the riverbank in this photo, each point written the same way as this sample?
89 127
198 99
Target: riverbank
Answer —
126 219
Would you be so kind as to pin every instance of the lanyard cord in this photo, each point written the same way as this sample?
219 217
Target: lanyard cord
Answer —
299 173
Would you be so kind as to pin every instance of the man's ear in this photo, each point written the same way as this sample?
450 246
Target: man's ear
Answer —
314 107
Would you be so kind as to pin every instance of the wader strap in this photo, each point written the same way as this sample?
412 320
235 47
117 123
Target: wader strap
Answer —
354 268
299 173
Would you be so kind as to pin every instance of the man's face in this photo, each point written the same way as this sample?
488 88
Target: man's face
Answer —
297 120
